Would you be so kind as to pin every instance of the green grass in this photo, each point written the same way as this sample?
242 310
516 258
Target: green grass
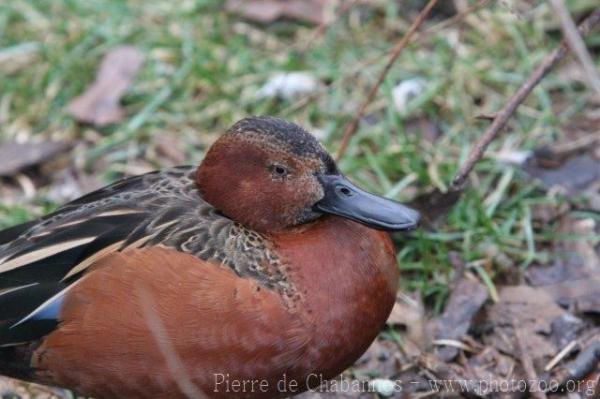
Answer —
203 67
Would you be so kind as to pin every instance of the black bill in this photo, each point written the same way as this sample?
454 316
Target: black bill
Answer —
344 199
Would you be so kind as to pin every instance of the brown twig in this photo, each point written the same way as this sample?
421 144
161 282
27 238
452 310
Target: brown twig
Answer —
527 364
576 43
397 50
513 103
352 74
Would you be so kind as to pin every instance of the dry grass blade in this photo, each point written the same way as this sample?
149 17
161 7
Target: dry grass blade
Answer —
353 126
560 355
513 103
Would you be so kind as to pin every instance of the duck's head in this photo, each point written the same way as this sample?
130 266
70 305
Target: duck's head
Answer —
270 174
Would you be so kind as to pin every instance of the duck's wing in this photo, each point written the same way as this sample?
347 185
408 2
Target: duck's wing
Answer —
12 233
42 259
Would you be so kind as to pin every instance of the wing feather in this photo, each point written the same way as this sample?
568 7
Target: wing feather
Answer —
42 259
32 257
12 233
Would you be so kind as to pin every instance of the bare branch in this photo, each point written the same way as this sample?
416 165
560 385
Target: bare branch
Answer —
502 117
419 36
353 126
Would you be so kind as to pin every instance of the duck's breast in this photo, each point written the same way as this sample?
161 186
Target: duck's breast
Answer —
346 276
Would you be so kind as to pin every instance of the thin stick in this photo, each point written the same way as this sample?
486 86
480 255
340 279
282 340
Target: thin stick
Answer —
513 103
353 126
527 364
370 62
576 43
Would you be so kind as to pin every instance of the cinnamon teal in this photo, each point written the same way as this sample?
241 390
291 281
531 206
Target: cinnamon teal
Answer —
262 264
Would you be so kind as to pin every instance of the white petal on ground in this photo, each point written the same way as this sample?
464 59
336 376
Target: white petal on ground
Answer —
512 157
289 85
383 386
405 91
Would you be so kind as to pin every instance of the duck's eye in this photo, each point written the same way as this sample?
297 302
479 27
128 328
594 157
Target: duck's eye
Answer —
279 171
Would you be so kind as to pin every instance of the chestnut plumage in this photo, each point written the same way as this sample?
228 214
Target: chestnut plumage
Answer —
251 265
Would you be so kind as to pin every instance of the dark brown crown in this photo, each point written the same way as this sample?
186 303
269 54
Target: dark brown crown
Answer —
286 135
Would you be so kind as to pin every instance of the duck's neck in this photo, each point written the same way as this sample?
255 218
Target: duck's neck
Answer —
346 276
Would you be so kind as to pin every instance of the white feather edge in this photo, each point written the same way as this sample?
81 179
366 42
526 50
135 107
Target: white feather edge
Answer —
44 305
42 253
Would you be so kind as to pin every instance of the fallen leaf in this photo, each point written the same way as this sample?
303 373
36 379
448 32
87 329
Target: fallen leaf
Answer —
560 270
572 279
573 163
266 11
565 329
467 298
535 313
99 105
576 174
579 290
435 206
18 156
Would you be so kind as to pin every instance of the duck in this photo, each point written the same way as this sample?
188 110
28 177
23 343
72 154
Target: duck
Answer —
260 273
